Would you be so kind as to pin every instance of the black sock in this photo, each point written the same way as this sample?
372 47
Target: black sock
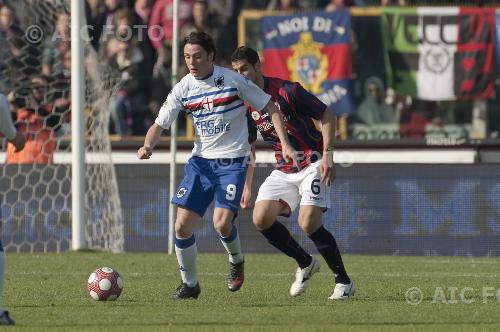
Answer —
279 236
327 247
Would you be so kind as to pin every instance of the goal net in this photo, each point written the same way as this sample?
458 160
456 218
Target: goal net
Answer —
35 185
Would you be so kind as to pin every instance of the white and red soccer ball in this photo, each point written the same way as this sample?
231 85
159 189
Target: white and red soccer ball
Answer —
105 284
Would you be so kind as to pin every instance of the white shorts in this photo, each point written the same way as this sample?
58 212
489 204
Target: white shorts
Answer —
304 187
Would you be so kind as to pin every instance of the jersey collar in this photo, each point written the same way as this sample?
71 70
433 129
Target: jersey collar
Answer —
208 76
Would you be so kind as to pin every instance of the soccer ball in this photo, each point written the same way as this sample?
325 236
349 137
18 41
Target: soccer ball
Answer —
105 284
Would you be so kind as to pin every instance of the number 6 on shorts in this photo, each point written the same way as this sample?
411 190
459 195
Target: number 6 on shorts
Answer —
315 188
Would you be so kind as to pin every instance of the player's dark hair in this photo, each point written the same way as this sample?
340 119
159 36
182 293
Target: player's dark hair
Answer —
203 39
245 53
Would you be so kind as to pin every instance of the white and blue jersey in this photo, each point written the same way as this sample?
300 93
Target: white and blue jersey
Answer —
218 165
216 105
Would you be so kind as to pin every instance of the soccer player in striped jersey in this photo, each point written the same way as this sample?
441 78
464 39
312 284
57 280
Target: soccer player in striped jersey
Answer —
15 138
288 185
214 97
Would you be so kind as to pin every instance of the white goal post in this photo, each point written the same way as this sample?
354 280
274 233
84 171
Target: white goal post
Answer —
77 125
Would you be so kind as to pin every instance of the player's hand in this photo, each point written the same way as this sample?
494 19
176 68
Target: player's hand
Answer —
289 154
327 169
144 152
246 199
18 142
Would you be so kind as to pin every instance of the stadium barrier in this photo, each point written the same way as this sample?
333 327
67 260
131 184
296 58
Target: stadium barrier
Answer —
432 201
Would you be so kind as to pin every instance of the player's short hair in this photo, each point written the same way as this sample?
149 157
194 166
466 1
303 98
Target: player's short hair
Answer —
203 39
245 53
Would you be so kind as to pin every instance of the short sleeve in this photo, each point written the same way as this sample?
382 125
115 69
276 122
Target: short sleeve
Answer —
252 129
307 102
251 93
170 109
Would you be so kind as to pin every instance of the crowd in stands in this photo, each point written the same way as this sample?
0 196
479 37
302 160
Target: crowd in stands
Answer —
134 38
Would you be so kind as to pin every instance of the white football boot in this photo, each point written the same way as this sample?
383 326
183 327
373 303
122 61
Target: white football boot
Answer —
302 277
343 291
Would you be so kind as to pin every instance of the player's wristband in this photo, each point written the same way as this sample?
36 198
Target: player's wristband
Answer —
328 149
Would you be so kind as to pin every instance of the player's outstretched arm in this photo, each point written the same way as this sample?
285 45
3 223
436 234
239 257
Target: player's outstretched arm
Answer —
152 138
246 199
328 125
289 153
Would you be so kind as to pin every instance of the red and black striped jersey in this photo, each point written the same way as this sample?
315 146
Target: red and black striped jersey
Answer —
298 108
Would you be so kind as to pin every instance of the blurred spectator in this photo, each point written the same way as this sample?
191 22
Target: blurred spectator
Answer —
415 120
57 45
111 6
160 25
314 3
37 120
128 105
393 2
373 109
255 4
107 50
143 9
129 26
200 20
338 4
9 26
399 104
60 93
36 13
95 12
161 85
222 10
283 5
226 13
22 62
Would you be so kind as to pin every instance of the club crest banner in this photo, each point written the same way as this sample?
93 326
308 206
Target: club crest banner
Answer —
312 49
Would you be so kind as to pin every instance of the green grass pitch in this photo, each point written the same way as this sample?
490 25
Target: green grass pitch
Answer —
47 292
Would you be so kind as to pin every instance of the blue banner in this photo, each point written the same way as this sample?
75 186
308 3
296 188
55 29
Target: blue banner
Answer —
314 50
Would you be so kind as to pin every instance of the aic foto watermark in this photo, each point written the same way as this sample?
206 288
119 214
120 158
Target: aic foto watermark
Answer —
453 295
35 33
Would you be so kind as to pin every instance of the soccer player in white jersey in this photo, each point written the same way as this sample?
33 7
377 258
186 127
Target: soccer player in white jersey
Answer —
214 97
14 137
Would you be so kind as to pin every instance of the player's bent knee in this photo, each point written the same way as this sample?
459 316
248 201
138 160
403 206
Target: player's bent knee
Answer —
261 221
184 224
265 213
221 226
222 221
310 228
310 219
310 225
182 231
